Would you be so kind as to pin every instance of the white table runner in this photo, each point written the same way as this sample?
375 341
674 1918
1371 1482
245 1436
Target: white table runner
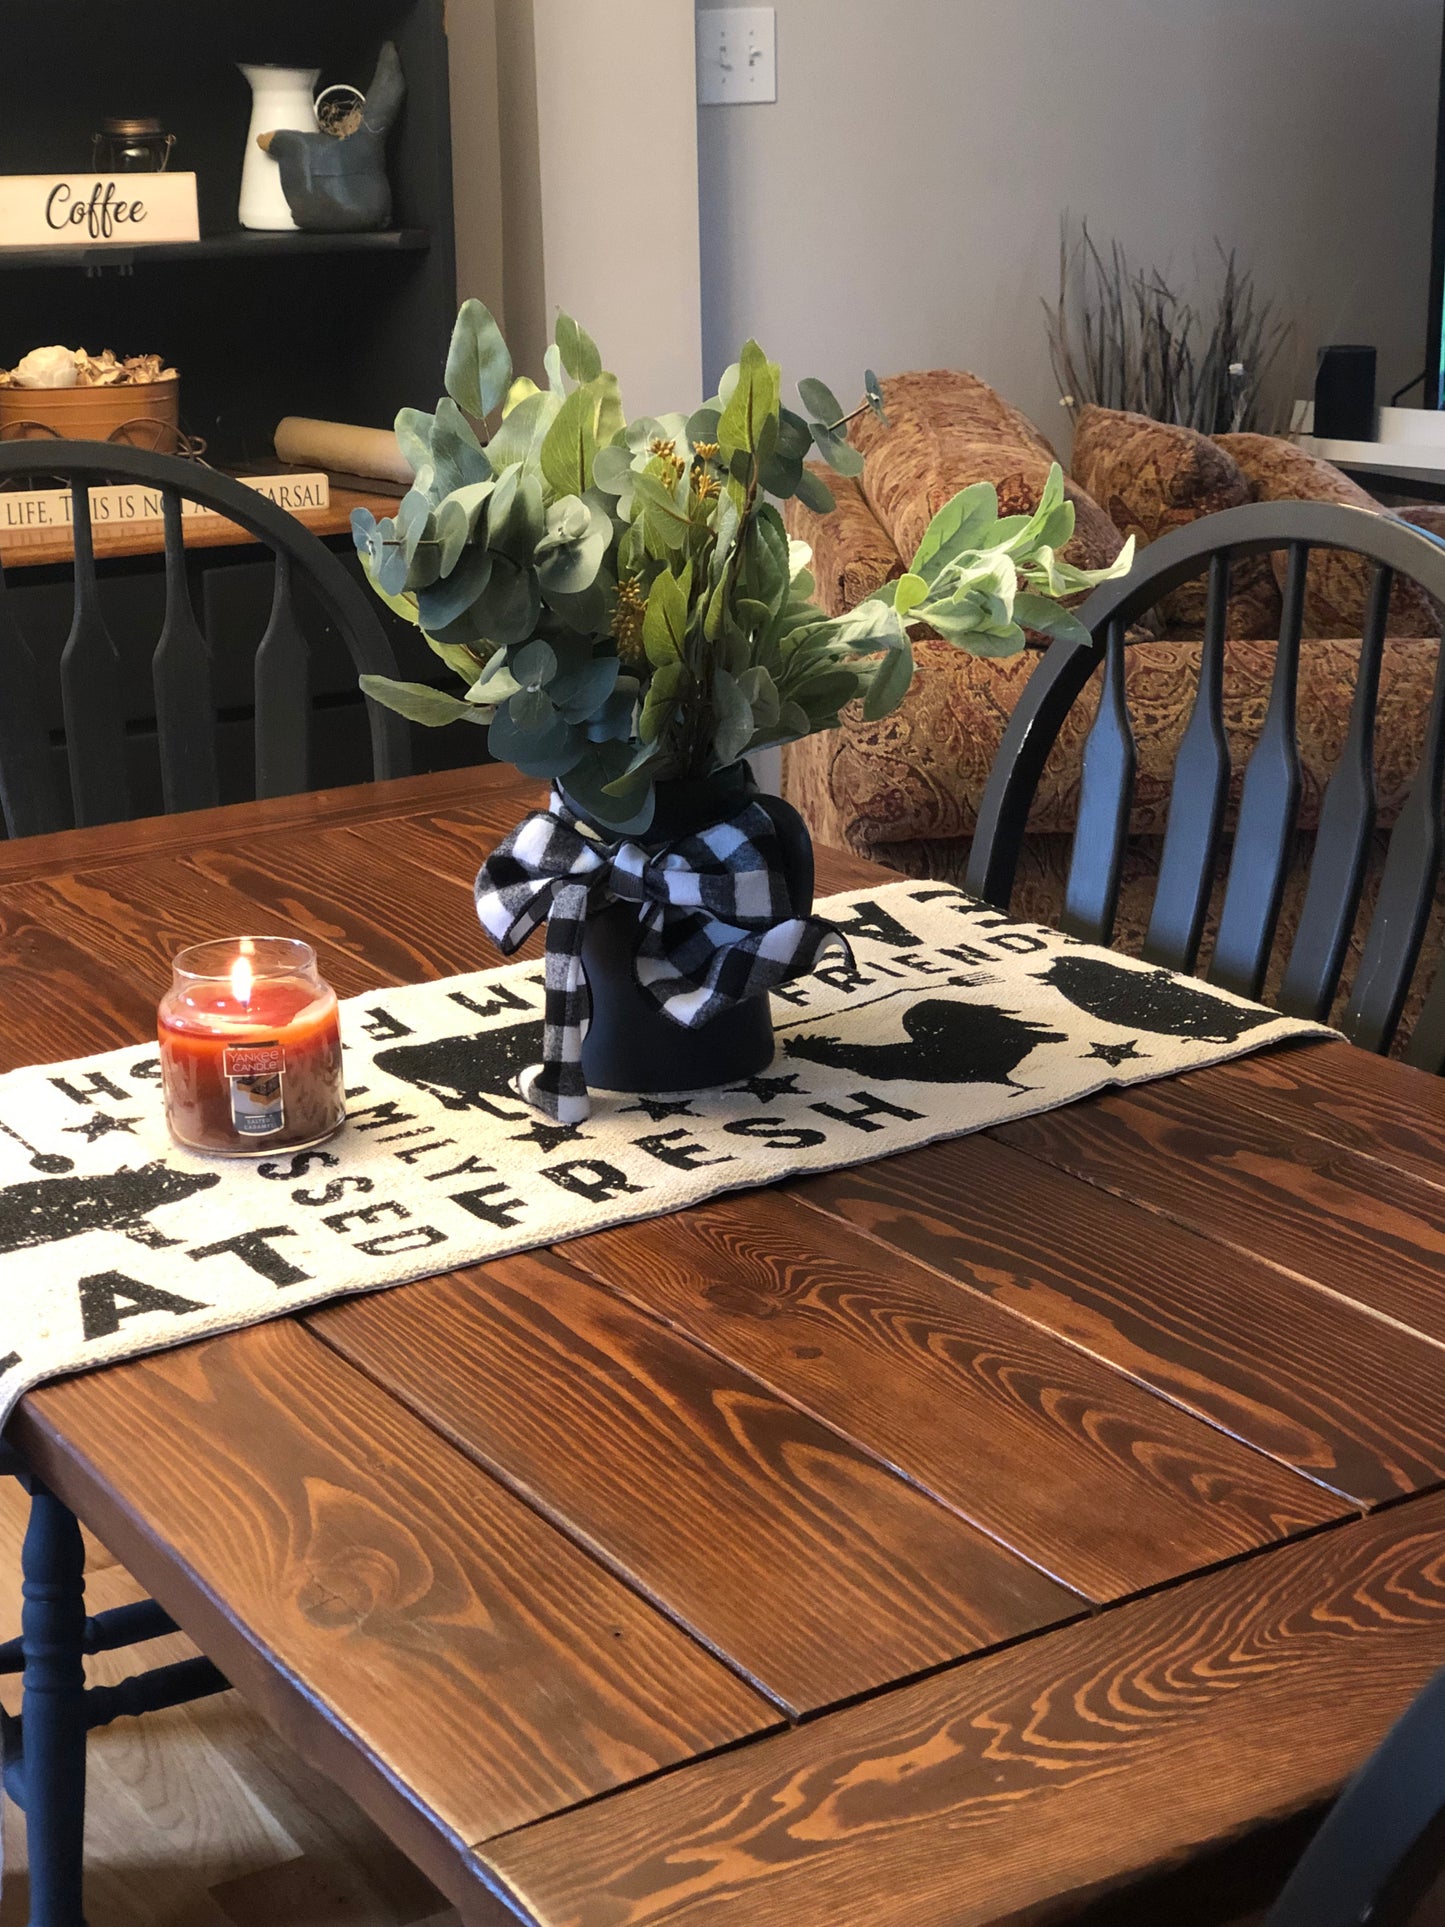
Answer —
114 1242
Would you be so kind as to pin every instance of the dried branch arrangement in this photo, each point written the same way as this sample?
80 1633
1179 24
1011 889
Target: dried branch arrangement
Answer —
1123 337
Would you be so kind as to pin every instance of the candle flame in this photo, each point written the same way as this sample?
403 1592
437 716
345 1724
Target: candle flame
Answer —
243 978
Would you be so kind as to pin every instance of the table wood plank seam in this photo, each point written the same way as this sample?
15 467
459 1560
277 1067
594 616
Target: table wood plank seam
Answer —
1095 1614
803 1196
616 1569
1185 1223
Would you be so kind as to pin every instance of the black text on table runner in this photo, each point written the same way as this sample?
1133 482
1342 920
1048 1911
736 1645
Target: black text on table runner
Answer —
113 1242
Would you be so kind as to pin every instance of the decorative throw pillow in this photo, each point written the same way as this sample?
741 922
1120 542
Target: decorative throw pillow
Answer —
1338 583
946 430
1150 477
852 553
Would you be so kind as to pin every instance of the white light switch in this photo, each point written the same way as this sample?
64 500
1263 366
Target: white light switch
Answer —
736 55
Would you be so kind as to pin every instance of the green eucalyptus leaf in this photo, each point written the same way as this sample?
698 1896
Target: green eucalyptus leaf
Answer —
457 456
479 368
547 752
419 702
520 435
402 605
532 710
570 447
610 419
516 520
413 436
508 607
889 684
577 349
661 700
873 389
573 547
664 623
664 524
521 390
702 425
781 476
837 451
732 718
967 521
440 604
753 404
795 436
583 693
908 592
815 494
1049 618
612 469
535 664
820 401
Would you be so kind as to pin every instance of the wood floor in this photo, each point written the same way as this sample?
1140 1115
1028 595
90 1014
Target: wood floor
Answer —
201 1817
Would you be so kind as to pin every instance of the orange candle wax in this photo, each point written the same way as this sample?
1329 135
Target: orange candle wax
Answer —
250 1041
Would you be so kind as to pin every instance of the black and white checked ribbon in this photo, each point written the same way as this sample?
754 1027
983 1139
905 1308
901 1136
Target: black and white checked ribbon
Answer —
716 925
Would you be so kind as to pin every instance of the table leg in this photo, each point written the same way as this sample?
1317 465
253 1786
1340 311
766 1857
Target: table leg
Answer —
52 1623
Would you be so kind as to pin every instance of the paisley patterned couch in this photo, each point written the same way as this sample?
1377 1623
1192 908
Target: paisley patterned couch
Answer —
906 790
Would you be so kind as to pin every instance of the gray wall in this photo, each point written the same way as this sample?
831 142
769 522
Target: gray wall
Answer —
899 206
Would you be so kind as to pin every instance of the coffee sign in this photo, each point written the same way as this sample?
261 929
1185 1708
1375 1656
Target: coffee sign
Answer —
97 210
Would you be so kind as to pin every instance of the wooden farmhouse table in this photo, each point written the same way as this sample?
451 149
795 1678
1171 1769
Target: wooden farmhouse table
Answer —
939 1541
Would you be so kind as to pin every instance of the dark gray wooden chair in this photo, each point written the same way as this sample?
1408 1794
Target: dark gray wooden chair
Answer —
185 708
1379 1849
1258 860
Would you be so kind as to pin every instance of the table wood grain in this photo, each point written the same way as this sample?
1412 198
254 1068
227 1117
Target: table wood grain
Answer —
749 1563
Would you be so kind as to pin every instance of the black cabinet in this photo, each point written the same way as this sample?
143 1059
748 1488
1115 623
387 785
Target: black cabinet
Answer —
260 325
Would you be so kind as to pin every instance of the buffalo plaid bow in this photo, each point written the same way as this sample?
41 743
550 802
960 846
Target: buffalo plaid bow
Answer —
716 925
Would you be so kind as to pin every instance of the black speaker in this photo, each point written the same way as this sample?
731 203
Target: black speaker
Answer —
1345 395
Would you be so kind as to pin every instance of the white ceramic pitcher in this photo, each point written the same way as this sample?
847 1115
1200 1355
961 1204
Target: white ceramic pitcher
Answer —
280 97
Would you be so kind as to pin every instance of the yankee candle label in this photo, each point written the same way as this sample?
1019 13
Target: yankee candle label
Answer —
254 1070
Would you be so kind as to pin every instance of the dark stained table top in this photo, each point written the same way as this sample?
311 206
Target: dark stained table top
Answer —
921 1542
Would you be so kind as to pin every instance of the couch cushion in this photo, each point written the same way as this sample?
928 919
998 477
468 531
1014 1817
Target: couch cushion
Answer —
1338 583
946 430
919 774
1150 477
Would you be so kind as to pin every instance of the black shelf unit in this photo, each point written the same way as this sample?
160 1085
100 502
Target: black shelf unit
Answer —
349 327
218 247
261 325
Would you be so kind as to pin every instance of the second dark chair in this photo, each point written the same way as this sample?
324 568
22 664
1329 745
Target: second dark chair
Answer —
1259 855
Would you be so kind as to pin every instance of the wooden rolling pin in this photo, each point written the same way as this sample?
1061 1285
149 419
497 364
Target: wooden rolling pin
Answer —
341 446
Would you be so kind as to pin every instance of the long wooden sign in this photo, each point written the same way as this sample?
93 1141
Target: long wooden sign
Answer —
50 508
96 210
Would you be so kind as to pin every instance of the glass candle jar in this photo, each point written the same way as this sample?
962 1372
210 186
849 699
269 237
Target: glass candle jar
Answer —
250 1041
131 147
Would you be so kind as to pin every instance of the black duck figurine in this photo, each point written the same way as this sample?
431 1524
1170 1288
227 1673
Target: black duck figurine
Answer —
339 186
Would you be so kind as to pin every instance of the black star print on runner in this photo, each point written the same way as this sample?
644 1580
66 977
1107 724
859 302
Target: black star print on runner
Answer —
549 1136
101 1124
1116 1053
765 1089
658 1108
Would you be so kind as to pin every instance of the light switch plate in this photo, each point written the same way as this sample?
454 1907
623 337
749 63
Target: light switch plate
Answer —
736 55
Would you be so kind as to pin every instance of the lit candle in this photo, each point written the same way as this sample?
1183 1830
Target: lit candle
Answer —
250 1041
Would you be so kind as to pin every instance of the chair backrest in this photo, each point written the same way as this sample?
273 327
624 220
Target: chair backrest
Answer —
94 716
1263 834
1369 1847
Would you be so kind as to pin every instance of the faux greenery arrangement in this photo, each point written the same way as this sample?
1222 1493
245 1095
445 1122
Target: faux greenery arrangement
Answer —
621 600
